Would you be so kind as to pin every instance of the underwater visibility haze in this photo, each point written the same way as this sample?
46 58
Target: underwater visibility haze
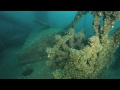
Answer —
59 45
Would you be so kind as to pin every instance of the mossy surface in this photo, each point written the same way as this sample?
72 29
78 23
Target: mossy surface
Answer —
72 58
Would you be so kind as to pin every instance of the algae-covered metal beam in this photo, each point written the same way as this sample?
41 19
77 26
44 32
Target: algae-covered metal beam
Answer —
76 19
72 59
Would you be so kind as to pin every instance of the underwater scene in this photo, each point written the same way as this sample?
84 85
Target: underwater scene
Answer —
59 44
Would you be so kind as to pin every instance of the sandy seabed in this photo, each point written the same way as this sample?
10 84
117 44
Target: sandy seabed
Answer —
9 68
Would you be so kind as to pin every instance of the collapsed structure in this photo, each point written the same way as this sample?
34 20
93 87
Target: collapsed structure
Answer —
74 56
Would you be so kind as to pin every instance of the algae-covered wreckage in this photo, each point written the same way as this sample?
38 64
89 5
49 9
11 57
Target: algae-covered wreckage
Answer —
70 54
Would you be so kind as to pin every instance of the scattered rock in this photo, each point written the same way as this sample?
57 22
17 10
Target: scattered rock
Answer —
27 72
